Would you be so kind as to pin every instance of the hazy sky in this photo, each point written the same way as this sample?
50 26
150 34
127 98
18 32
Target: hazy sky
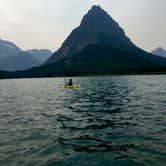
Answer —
46 23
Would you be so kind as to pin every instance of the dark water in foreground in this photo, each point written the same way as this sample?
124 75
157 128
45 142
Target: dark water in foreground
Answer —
108 121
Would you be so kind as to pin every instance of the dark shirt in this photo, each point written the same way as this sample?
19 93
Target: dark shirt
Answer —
70 83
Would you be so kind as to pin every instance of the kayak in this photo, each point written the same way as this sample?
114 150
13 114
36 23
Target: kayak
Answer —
75 86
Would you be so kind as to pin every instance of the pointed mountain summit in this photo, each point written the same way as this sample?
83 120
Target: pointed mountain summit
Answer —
98 21
96 27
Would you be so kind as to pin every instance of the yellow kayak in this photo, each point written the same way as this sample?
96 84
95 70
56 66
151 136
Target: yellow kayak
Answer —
75 86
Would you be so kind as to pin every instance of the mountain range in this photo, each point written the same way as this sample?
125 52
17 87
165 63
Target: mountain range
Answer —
160 52
97 46
12 58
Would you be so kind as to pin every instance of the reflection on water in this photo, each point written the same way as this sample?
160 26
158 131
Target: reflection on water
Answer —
109 120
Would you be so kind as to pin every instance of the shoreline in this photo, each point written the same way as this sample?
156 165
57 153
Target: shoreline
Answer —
90 75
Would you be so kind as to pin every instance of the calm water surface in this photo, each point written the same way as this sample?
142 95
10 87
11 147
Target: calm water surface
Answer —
108 121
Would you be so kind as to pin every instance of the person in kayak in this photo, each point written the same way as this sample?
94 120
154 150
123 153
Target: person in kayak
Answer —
70 83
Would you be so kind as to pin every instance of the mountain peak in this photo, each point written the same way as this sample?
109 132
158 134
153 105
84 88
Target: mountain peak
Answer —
94 15
160 49
96 7
9 44
160 52
97 27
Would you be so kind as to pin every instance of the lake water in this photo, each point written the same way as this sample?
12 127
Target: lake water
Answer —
118 120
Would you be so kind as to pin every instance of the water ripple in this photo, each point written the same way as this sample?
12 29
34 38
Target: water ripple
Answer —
121 122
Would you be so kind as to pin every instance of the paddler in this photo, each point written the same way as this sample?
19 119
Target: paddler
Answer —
70 83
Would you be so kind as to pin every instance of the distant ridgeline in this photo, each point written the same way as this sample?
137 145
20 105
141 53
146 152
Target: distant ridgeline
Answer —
159 52
98 46
13 58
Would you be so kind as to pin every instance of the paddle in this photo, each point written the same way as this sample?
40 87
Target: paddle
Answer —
65 82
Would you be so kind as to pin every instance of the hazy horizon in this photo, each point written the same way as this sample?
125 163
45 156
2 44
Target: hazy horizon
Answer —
30 25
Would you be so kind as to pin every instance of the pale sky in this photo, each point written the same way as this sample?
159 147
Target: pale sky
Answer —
46 23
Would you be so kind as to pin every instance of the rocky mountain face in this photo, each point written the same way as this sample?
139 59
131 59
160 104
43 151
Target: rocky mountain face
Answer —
97 27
